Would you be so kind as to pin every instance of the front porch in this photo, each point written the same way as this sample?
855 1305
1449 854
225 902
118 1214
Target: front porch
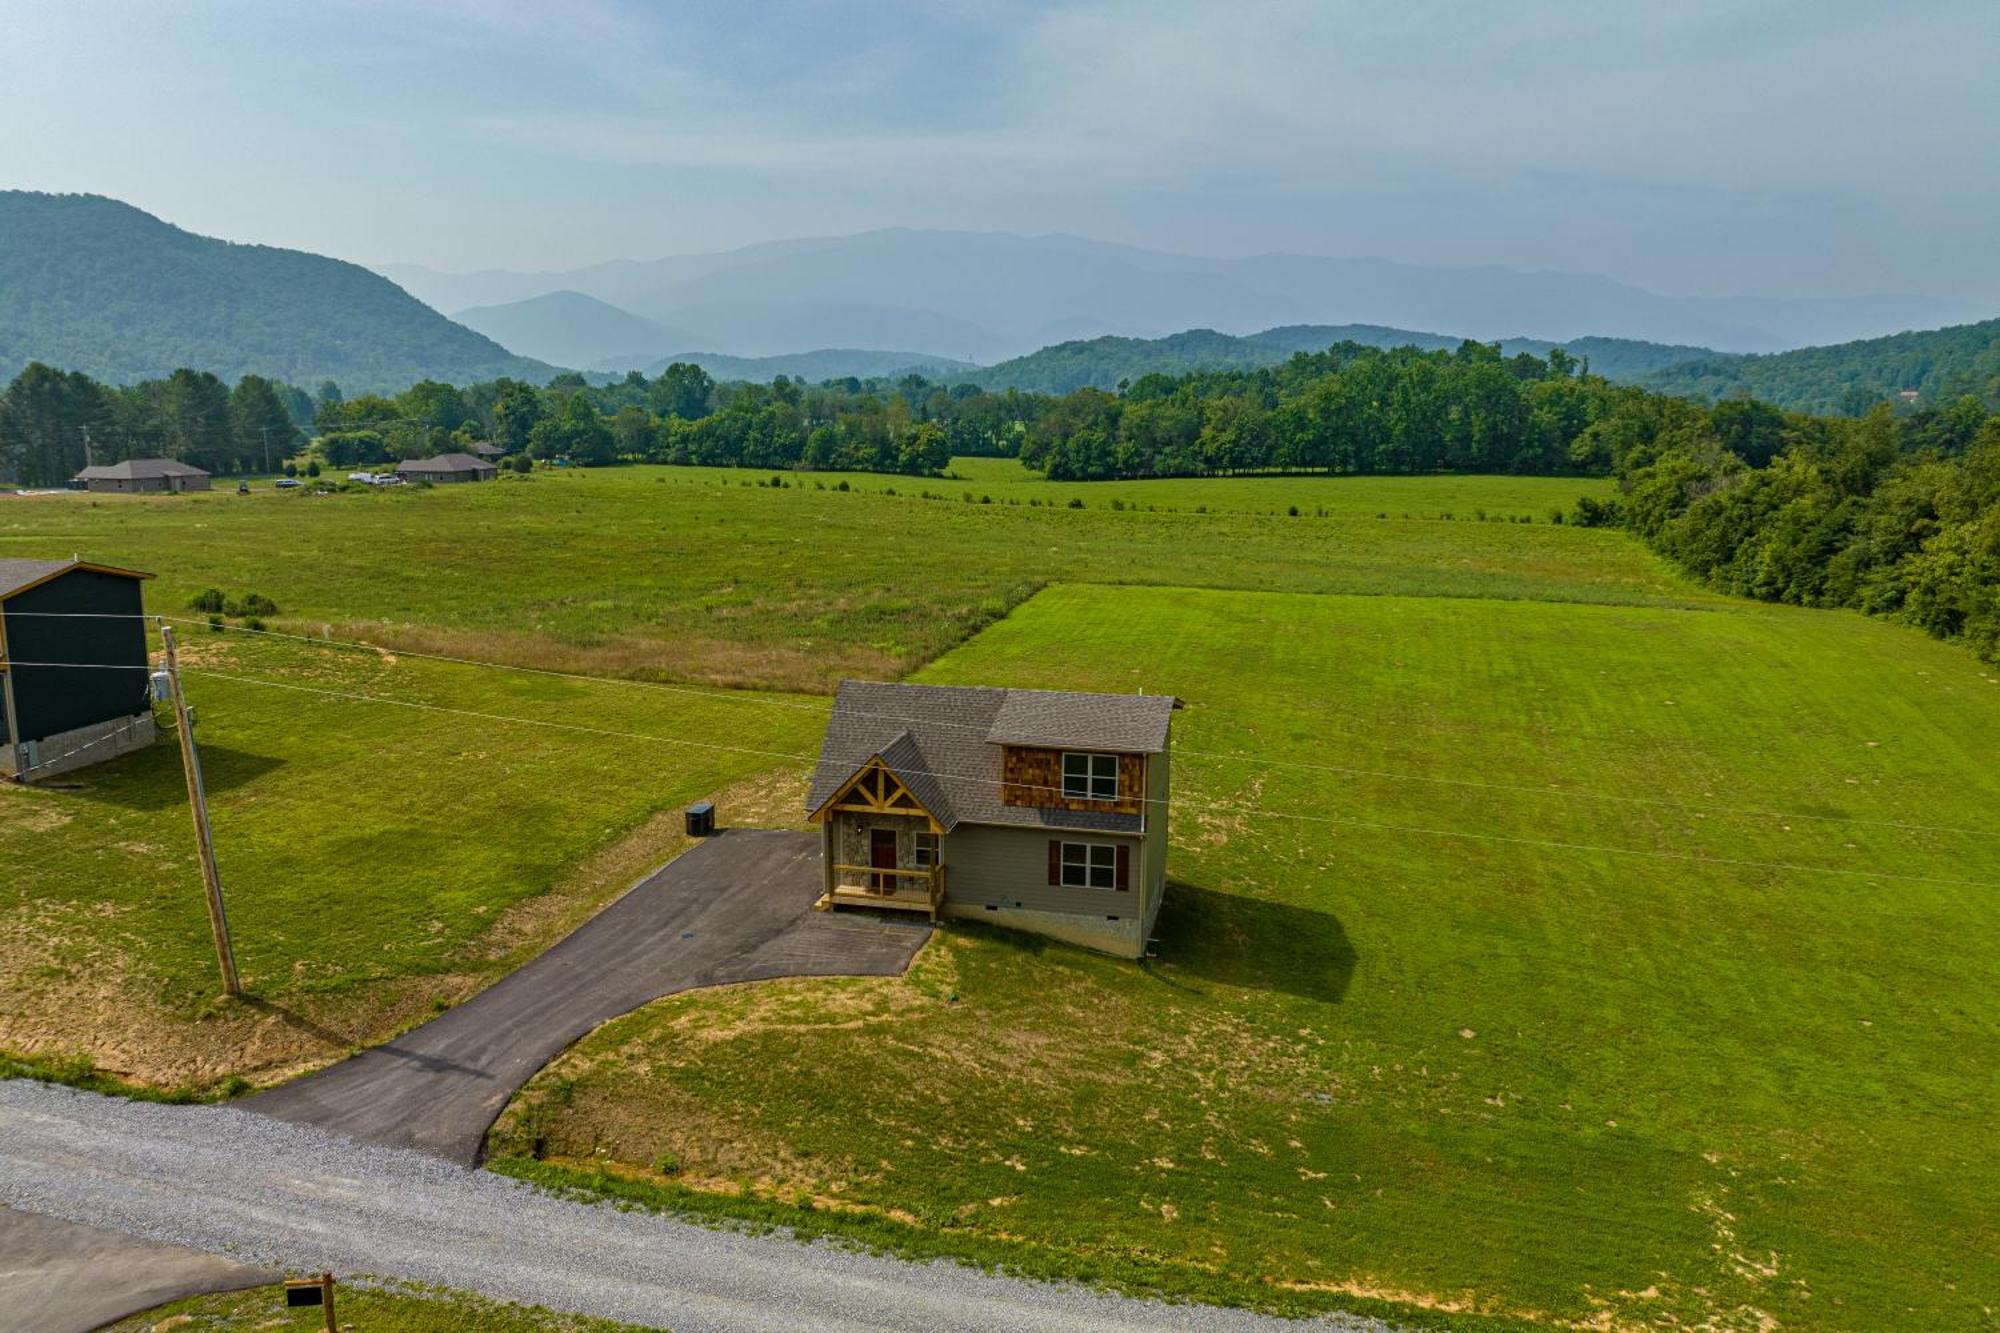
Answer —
883 847
911 889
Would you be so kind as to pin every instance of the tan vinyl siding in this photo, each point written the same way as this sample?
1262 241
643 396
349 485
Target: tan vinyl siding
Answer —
1009 868
1152 879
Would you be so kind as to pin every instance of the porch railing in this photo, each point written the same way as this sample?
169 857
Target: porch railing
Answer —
919 887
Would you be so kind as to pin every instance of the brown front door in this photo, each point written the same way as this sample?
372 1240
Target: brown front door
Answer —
882 855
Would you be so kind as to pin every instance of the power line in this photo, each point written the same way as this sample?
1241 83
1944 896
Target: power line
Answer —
1552 844
746 697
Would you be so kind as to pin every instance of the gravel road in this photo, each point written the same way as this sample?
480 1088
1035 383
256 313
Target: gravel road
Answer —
272 1193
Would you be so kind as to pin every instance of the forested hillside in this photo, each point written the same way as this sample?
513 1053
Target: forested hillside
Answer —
93 285
1939 365
1105 363
1889 515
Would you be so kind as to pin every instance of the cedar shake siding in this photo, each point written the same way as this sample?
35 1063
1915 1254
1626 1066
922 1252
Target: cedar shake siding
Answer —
1033 777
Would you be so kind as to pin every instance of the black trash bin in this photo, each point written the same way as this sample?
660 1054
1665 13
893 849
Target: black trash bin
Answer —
701 819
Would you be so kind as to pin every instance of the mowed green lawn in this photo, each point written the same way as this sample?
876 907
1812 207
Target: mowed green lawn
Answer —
703 574
1551 962
377 859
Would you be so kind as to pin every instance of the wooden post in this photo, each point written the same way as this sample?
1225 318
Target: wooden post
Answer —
218 920
326 1286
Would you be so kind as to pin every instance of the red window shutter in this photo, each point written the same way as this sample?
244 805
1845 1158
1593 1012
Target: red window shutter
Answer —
1055 862
1124 880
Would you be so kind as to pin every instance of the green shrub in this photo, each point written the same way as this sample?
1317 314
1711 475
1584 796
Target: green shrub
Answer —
208 599
252 604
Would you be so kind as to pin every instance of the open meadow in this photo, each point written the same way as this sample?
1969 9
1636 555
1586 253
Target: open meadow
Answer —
704 574
1548 941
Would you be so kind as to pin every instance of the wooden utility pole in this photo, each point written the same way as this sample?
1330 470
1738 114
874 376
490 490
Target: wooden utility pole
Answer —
218 920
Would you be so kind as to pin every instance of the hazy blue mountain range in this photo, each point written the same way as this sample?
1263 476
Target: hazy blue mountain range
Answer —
571 329
829 363
91 284
987 296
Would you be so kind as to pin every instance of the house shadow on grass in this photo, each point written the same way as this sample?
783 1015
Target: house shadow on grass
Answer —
151 779
1233 940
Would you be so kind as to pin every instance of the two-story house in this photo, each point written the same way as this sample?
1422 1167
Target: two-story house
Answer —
1038 809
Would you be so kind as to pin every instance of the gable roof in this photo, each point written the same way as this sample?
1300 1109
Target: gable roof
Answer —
140 469
17 576
445 463
943 743
1132 723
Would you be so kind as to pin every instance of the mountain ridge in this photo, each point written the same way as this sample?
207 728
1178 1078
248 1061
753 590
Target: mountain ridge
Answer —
98 285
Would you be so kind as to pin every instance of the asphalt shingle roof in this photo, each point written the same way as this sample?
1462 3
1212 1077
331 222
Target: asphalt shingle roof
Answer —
1132 723
18 574
445 463
140 469
943 743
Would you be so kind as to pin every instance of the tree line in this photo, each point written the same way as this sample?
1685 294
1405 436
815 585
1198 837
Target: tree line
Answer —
1353 408
1895 515
1350 409
53 423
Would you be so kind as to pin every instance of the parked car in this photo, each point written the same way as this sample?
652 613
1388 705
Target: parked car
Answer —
365 478
289 483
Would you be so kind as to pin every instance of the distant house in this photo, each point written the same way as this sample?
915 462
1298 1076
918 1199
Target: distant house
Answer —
144 475
482 449
73 666
1036 809
447 468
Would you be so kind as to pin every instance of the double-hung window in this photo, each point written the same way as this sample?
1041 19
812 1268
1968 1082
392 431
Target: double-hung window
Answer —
927 850
1089 777
1089 865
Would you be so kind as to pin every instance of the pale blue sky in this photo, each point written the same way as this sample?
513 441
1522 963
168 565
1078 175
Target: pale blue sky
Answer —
1797 148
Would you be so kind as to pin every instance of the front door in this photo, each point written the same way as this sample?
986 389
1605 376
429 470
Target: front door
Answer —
882 856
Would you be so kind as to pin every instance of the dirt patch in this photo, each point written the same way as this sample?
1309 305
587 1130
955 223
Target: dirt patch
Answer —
26 809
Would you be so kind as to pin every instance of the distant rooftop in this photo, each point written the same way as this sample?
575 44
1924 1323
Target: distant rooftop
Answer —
139 469
444 463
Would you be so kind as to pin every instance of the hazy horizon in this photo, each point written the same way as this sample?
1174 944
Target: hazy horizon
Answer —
1699 150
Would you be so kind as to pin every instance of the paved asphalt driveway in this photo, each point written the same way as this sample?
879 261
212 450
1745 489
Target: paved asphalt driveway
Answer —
738 907
63 1277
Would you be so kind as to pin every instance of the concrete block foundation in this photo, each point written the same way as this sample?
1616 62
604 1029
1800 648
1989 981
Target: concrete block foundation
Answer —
67 751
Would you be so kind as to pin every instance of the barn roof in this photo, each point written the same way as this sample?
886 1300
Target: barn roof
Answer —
17 576
942 742
140 469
